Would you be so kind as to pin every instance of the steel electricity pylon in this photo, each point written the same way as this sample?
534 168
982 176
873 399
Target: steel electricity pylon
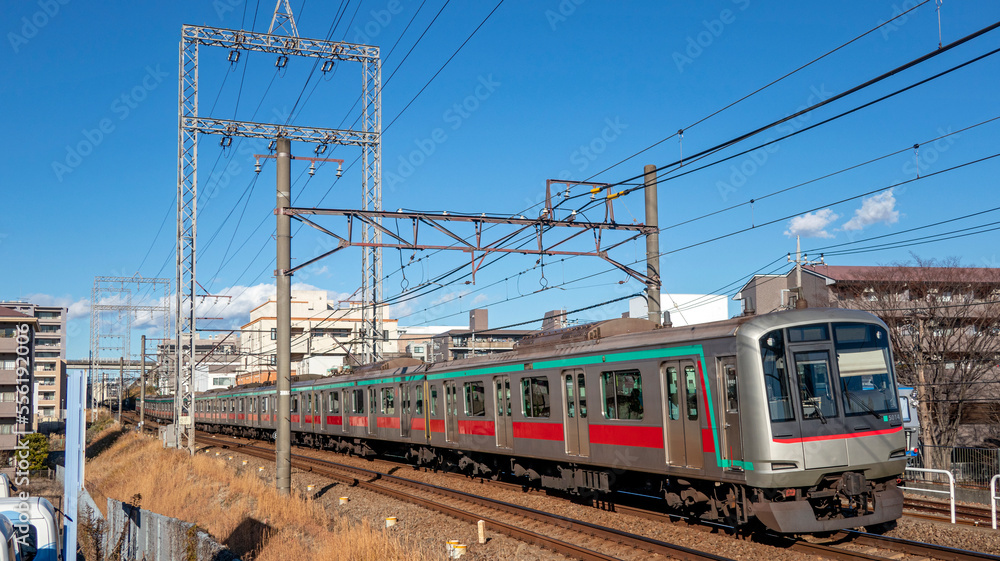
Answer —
191 124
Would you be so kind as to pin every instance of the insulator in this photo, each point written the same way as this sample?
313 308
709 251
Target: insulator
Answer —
327 66
340 170
281 62
256 166
320 149
226 141
234 56
312 168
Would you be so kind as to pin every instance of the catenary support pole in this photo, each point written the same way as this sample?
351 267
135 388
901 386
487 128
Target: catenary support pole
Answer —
652 248
121 376
284 328
142 387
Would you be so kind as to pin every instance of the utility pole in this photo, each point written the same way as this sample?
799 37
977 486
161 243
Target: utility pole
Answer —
652 248
142 386
283 459
800 260
121 375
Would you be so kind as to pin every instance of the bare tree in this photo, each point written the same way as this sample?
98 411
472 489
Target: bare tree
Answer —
944 322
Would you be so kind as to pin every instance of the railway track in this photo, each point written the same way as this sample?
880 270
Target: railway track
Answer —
934 510
556 533
563 535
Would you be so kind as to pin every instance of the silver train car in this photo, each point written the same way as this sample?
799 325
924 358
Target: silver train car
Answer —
789 419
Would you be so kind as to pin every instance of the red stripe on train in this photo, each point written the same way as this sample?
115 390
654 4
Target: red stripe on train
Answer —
484 428
358 421
539 431
387 422
836 436
643 437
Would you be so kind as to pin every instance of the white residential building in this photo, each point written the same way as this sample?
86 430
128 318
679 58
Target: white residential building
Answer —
325 336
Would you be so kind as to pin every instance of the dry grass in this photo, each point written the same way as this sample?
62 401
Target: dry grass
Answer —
238 509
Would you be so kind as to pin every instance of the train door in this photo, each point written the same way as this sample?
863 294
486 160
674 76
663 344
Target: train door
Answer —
421 409
346 408
504 423
451 406
681 414
372 410
404 410
732 440
577 426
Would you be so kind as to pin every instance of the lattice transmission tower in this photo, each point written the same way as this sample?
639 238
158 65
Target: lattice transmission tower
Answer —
116 304
191 124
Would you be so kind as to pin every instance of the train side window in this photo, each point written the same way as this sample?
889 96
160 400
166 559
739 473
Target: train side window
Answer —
581 387
359 402
404 398
334 401
232 405
434 401
388 401
240 405
772 354
535 397
253 404
732 393
691 381
622 394
308 403
263 404
475 393
295 404
499 395
418 408
673 399
570 402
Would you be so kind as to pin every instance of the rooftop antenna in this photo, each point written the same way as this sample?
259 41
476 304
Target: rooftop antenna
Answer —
282 16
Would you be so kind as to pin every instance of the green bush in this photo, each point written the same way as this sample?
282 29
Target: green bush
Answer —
38 450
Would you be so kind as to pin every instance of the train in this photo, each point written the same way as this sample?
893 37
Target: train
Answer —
911 420
789 420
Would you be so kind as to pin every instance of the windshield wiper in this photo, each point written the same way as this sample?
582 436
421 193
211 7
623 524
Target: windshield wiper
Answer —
865 406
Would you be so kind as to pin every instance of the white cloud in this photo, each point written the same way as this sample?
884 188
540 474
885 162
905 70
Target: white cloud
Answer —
76 309
480 298
449 297
875 209
811 225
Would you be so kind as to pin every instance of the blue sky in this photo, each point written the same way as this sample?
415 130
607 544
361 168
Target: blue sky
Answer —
546 89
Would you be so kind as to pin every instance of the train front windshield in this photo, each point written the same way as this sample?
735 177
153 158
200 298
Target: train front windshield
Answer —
837 369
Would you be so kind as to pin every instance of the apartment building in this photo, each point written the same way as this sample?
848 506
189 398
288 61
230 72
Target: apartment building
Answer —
17 346
49 388
476 340
326 336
